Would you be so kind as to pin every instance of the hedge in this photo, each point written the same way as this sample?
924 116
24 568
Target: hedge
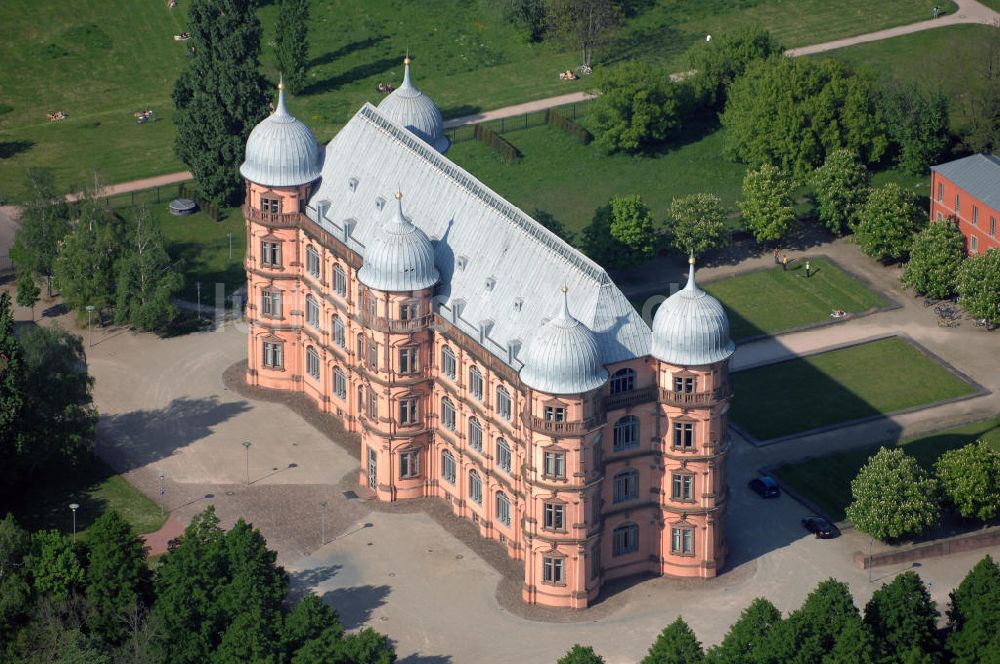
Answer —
508 153
560 121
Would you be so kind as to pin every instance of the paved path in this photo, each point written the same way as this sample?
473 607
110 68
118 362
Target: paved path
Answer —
157 542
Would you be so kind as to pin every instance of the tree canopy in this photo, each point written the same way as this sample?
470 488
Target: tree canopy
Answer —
767 204
979 285
841 190
637 106
581 655
970 480
935 259
697 223
888 222
676 644
746 637
893 496
974 615
719 62
632 224
44 223
146 280
291 42
903 619
584 24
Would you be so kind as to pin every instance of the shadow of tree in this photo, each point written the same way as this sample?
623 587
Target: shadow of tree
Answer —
417 658
350 76
302 581
10 148
345 50
355 605
460 111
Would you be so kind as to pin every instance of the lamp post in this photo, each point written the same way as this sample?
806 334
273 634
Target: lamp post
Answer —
322 527
74 507
161 494
198 285
90 327
230 246
246 446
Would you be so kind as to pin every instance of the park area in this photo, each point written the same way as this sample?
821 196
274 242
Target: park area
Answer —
826 481
839 386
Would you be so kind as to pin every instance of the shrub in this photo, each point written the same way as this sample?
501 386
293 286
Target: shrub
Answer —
979 285
935 259
970 478
893 496
571 127
508 153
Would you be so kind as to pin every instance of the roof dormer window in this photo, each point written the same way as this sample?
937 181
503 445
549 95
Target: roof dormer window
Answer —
490 283
461 262
379 203
518 303
352 184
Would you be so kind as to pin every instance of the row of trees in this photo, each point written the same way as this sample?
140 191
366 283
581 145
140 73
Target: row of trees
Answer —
899 625
894 497
94 258
218 597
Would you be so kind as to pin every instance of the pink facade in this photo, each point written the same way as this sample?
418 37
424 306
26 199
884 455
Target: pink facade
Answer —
626 479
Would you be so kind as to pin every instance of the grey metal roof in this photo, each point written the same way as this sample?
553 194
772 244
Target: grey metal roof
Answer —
978 174
409 107
399 257
500 271
282 151
563 358
690 328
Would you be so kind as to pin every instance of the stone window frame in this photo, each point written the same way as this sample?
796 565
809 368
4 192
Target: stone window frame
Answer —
595 561
619 444
622 537
409 309
503 516
338 331
558 455
553 566
449 363
270 202
690 486
270 251
412 353
554 515
504 452
554 410
449 467
624 375
339 280
313 260
504 403
274 298
449 414
409 410
476 378
277 348
629 478
684 377
681 527
372 405
683 420
312 311
312 362
339 384
475 487
474 424
409 463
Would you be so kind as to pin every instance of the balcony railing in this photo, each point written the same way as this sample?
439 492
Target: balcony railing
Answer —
381 324
566 428
630 399
273 219
706 398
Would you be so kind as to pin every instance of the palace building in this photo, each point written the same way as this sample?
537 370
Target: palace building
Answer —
480 358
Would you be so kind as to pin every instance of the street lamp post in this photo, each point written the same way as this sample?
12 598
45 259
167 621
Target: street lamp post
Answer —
74 507
322 528
90 327
161 494
198 285
246 446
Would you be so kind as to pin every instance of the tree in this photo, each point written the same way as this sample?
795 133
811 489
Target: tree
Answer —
636 106
581 655
528 14
902 618
744 640
549 221
974 615
600 244
917 122
220 96
85 267
11 398
15 581
117 576
632 224
308 620
676 644
291 42
44 223
935 259
888 221
767 204
584 24
27 292
146 283
697 223
983 100
55 566
841 190
979 285
722 60
892 496
970 479
824 106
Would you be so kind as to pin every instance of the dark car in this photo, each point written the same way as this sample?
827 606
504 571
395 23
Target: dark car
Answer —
765 486
822 528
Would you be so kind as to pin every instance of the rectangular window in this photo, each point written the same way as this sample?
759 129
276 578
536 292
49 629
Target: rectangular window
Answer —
338 332
503 511
448 467
372 405
555 464
958 205
312 261
625 540
476 383
684 434
596 506
975 215
447 414
312 363
475 488
372 355
940 192
339 281
993 226
555 414
684 384
682 541
273 355
595 563
475 435
449 367
270 304
408 411
552 570
504 457
270 253
409 464
503 404
683 487
973 244
340 384
312 312
272 205
408 311
408 359
554 517
626 486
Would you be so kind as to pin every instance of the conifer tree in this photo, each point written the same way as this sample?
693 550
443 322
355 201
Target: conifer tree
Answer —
581 655
291 42
743 641
974 615
117 576
11 395
903 620
676 644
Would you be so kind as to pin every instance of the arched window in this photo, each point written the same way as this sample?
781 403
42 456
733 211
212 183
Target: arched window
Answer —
503 508
312 362
312 311
448 365
340 384
475 435
448 414
448 467
625 539
339 280
623 380
337 326
504 457
626 433
503 403
476 383
626 485
312 261
475 488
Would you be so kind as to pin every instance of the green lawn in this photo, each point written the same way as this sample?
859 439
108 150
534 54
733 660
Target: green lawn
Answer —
99 62
97 489
772 301
876 378
827 480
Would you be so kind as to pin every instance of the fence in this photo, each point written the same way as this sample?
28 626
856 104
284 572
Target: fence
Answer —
162 195
467 132
6 265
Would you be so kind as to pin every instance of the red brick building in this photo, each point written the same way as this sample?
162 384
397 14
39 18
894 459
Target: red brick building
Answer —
968 190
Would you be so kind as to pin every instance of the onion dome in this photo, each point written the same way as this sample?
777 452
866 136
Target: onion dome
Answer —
563 358
691 328
400 256
281 150
409 107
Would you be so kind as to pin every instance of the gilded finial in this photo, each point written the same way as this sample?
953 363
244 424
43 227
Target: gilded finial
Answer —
406 60
691 259
564 290
399 195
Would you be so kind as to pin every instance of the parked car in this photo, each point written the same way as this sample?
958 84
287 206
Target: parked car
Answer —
765 486
822 528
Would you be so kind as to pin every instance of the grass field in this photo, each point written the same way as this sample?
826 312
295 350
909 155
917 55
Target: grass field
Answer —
875 378
827 480
772 301
99 62
97 489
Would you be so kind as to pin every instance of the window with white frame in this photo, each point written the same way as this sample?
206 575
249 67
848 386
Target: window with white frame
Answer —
625 540
940 192
555 414
312 311
272 205
408 359
339 280
682 486
684 384
447 414
312 362
503 508
504 457
312 261
626 433
626 485
623 380
682 540
448 467
503 406
476 383
273 355
973 244
340 384
270 303
684 435
554 516
372 405
475 434
448 365
993 226
409 411
555 464
270 253
475 488
337 326
975 215
958 204
409 464
552 569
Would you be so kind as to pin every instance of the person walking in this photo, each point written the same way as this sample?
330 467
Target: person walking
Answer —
777 259
807 269
784 263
